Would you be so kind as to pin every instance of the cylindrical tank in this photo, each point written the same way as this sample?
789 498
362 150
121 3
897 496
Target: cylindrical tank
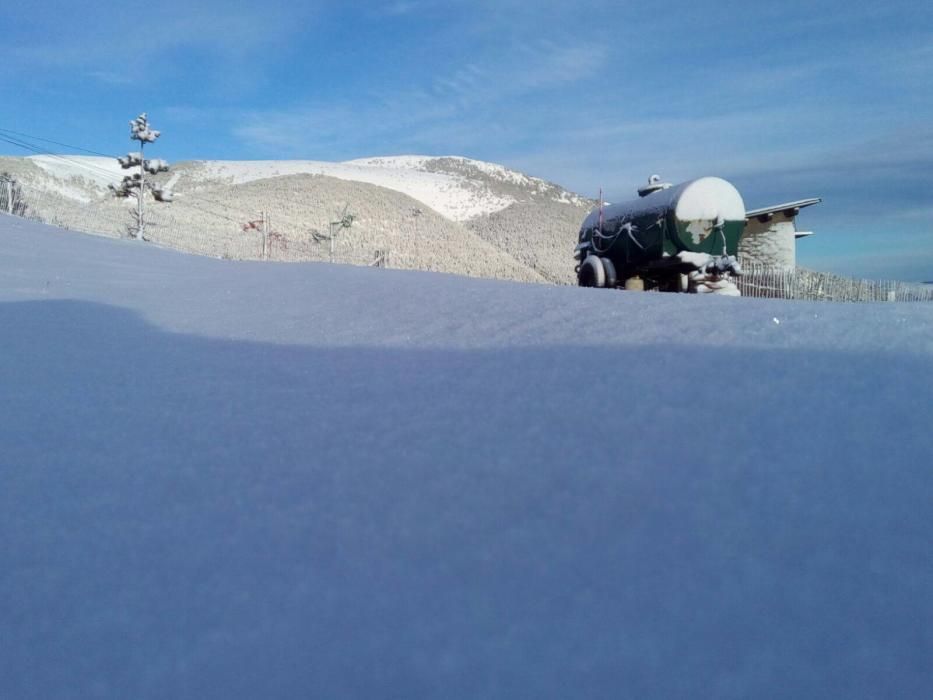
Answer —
701 216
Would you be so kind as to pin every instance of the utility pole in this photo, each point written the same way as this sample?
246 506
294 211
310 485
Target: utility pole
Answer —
346 221
141 227
265 235
135 185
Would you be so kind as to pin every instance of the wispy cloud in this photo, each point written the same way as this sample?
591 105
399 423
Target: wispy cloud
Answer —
454 108
110 77
396 9
112 42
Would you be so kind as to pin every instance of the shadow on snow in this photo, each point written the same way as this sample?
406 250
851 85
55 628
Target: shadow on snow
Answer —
191 518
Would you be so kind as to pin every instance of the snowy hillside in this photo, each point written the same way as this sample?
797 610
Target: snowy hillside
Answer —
470 202
459 189
247 480
78 177
455 198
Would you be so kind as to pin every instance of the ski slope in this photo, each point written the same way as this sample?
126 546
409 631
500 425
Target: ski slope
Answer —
250 480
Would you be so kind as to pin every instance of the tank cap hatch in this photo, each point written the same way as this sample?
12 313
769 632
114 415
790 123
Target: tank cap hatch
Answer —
654 184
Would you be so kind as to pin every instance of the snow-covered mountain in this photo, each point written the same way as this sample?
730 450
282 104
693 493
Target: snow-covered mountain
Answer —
458 188
230 479
469 205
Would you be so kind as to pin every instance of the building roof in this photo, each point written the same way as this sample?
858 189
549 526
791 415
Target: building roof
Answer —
790 208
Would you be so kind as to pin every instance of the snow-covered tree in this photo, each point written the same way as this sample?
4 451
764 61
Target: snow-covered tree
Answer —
11 196
136 185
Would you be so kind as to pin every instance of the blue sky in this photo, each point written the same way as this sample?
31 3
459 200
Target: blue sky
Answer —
786 99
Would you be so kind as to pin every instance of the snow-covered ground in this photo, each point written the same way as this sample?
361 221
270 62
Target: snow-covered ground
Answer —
250 480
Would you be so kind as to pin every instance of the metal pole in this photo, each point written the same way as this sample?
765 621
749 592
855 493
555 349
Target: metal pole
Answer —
9 196
140 226
265 236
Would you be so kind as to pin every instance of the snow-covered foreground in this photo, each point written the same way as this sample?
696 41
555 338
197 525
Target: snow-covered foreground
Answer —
249 480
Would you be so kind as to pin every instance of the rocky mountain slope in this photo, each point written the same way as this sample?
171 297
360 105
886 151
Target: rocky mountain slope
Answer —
445 214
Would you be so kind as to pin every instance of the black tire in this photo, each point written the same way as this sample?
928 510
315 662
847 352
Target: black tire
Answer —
610 269
592 273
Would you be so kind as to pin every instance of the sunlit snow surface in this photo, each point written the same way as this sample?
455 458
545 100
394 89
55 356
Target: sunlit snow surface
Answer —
250 480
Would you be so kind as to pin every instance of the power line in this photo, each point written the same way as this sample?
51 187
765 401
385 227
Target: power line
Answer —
192 195
42 152
57 143
91 167
212 213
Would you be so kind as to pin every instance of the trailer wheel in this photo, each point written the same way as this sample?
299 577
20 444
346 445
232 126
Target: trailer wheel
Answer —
592 273
610 270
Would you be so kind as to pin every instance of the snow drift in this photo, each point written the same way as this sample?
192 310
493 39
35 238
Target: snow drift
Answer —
246 480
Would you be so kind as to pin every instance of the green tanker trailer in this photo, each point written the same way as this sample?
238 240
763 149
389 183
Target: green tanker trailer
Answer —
673 238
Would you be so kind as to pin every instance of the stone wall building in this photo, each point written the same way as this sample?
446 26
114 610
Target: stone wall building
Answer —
771 235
